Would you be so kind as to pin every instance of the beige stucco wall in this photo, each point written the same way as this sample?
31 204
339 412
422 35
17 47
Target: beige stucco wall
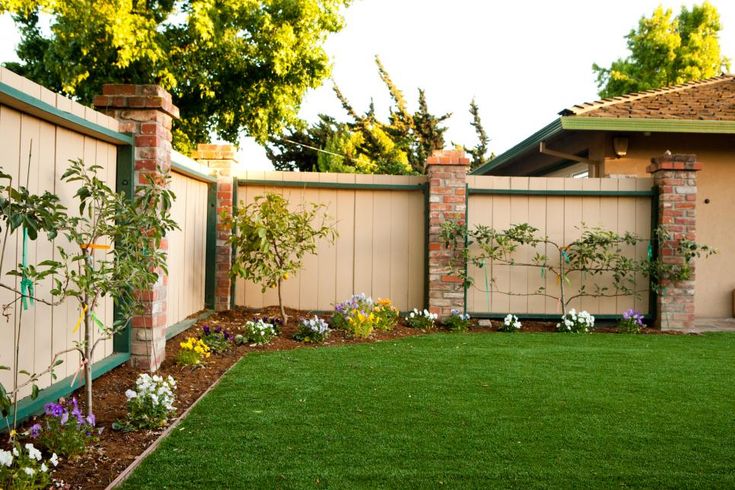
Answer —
715 279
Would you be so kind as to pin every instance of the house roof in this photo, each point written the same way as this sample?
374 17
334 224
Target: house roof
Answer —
707 100
706 106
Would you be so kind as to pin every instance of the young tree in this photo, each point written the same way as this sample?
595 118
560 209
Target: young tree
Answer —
666 50
271 241
232 66
478 153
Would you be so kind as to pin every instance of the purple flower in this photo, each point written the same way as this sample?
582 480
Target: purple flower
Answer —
64 417
53 409
205 329
631 314
91 419
35 431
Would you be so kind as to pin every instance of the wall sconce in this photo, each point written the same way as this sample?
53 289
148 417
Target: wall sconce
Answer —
620 145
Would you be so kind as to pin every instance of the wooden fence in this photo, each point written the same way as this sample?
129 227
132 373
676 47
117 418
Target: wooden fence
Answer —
40 132
380 250
559 208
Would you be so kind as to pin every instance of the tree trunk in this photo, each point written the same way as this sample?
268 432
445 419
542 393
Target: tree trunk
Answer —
87 360
561 283
284 317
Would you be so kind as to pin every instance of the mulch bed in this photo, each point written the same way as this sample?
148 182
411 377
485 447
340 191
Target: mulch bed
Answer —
115 451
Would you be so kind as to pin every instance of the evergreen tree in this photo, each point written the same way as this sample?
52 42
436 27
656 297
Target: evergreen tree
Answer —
479 151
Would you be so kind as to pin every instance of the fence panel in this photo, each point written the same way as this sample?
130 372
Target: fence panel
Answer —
381 243
187 248
36 152
558 208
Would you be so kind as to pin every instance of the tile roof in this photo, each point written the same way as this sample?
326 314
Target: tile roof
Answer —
712 99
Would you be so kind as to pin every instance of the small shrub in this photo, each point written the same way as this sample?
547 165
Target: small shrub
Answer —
457 321
193 352
313 330
258 332
573 322
150 404
632 322
24 467
421 319
65 430
360 324
510 324
217 339
386 315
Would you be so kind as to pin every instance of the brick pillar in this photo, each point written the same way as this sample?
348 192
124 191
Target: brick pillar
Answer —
446 172
145 111
221 158
675 176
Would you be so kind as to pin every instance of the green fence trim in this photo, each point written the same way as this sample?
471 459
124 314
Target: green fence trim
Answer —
332 185
426 245
569 193
233 282
211 247
466 239
125 183
194 174
652 294
12 97
178 327
28 407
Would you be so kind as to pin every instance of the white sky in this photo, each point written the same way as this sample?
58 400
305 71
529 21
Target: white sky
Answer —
523 60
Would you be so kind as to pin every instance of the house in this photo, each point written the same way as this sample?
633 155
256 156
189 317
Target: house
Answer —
616 138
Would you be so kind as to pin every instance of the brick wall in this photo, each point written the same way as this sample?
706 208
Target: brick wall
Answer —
675 176
221 158
446 173
145 111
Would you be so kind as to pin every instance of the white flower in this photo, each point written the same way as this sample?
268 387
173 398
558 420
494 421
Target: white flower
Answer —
33 452
29 471
54 459
44 468
130 394
15 452
6 458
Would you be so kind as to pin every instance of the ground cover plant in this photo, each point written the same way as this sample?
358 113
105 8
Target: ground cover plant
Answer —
470 411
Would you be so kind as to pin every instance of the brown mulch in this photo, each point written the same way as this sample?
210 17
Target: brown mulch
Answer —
115 451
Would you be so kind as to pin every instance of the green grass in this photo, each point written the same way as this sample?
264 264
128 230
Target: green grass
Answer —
465 411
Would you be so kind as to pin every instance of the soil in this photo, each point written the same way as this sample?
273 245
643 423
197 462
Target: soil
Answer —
115 450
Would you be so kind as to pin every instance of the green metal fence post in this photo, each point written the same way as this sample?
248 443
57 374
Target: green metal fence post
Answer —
125 183
211 246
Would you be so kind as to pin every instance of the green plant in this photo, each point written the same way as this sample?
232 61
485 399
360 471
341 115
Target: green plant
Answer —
631 322
510 324
423 320
192 352
573 322
136 228
65 430
216 339
271 240
256 332
314 330
342 311
361 324
150 404
23 467
386 315
457 321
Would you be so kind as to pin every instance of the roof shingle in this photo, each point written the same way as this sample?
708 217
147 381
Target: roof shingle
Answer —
712 99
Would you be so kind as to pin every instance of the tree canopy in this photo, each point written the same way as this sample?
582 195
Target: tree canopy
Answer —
365 144
232 66
666 50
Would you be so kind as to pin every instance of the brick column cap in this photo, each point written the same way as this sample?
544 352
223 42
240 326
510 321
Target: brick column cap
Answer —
215 152
135 97
448 157
674 161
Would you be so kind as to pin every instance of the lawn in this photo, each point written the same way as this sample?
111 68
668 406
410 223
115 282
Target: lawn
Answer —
468 411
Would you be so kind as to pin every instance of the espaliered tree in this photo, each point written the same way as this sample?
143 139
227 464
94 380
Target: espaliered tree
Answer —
231 66
597 254
271 240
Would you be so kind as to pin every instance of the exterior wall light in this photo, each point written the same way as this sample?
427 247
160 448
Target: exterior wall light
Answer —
620 145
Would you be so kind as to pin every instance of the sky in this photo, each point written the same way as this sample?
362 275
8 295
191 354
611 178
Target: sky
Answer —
523 61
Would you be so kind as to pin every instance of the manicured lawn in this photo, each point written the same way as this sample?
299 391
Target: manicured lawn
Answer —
467 411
